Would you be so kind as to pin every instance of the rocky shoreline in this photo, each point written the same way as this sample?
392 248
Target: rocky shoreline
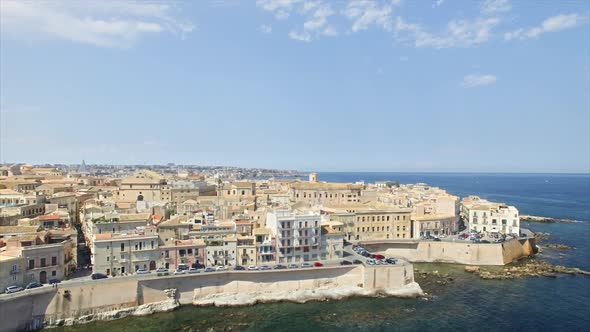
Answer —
545 220
532 268
411 290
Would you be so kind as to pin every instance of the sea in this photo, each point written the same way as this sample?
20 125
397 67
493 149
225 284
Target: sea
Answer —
466 304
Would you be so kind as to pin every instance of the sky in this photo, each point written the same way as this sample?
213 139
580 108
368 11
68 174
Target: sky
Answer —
433 86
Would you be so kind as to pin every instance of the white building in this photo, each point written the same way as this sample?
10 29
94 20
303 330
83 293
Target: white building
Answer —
485 216
298 235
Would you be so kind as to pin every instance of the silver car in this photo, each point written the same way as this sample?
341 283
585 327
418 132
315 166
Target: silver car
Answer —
13 289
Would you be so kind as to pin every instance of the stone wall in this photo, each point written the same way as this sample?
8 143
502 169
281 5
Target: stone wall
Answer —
460 252
83 300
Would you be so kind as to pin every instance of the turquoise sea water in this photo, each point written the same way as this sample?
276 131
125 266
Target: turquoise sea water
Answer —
467 304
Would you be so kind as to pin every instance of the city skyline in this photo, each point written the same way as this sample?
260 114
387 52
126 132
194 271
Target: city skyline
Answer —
439 86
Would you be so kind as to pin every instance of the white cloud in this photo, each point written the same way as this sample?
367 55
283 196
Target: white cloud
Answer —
458 33
303 36
552 24
437 3
492 7
104 24
266 29
281 8
365 13
472 81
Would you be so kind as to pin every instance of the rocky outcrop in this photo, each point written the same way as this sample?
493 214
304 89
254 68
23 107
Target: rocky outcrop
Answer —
547 220
321 294
558 246
530 269
470 268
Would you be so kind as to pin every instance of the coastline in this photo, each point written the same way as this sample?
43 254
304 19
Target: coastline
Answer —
544 220
412 290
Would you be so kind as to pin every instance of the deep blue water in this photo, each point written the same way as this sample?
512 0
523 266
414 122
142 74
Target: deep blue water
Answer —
468 304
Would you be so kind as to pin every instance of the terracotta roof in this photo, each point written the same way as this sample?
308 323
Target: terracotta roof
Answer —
53 216
105 236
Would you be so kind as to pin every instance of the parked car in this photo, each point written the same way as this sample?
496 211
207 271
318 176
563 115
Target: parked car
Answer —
13 289
346 262
280 267
378 256
221 268
193 270
252 268
239 268
162 270
390 261
293 266
183 267
378 262
209 269
179 271
356 261
318 264
96 276
54 281
306 264
371 261
33 284
142 271
436 239
366 254
264 267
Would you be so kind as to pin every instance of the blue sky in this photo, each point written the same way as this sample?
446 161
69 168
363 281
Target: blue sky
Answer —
492 86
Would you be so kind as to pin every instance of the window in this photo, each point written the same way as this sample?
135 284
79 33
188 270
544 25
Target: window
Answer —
43 262
31 263
53 273
122 246
190 251
152 244
108 258
398 228
387 218
53 260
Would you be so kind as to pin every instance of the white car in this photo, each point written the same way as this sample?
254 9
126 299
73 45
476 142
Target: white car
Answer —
162 270
13 289
193 270
252 268
142 271
221 268
179 271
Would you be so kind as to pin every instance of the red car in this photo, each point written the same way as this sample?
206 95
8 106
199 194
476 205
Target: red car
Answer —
318 264
379 256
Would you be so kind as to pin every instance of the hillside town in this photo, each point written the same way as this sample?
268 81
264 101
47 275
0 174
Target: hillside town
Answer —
61 223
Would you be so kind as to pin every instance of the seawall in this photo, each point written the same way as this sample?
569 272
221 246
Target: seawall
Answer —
83 301
459 252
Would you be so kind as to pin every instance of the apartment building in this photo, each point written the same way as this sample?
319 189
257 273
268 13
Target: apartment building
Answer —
298 235
124 253
191 252
485 216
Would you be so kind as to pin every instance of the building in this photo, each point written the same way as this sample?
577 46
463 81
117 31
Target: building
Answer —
143 186
124 253
187 252
298 235
485 216
43 259
371 221
319 193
